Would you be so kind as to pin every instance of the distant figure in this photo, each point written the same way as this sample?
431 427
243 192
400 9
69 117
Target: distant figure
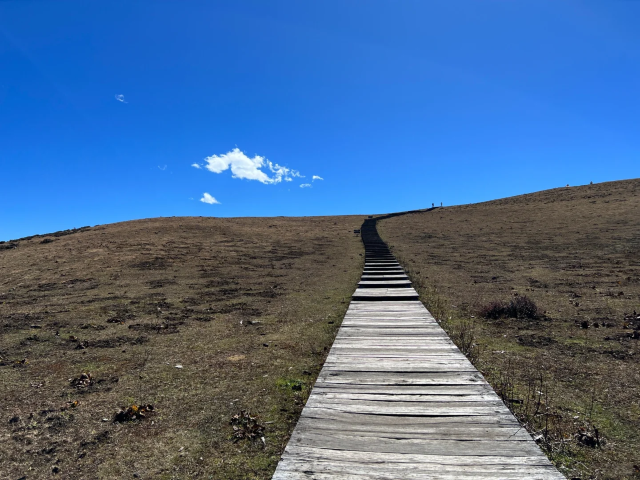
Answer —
440 203
433 204
567 184
590 183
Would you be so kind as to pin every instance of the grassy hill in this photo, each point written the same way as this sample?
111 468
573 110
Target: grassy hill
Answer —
202 318
205 319
571 372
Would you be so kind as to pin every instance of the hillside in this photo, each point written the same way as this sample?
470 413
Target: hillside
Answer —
200 317
205 318
571 372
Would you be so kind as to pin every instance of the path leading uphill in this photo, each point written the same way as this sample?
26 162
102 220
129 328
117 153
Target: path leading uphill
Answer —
396 399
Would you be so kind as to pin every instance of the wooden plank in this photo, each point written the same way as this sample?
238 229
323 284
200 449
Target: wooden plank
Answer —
393 422
384 277
395 291
384 284
433 432
466 389
399 379
413 459
354 346
441 447
451 409
347 396
303 468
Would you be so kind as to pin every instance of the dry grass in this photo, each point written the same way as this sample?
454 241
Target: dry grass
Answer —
200 317
576 253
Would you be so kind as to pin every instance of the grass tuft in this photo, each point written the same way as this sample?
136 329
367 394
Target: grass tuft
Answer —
521 307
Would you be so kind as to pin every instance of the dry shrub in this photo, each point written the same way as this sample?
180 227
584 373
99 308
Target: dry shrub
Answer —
518 307
246 427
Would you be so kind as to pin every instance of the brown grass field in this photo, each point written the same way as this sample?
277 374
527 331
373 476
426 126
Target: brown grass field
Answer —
205 318
572 374
202 318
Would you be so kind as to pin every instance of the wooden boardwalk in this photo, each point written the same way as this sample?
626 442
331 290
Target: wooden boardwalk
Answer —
396 399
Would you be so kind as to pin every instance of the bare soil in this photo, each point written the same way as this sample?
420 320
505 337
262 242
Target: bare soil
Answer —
573 372
183 323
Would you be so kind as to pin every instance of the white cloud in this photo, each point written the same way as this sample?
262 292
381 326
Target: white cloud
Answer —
163 168
196 165
206 198
316 177
305 185
244 167
120 98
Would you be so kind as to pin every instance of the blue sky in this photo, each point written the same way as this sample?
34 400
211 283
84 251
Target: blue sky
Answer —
394 104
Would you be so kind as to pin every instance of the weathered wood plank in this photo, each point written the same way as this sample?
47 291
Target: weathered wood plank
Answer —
451 409
391 378
346 396
462 390
393 421
381 444
433 432
344 470
409 459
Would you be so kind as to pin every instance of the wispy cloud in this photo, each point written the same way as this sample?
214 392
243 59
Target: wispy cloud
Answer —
305 185
249 168
206 198
196 165
316 177
120 98
163 168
